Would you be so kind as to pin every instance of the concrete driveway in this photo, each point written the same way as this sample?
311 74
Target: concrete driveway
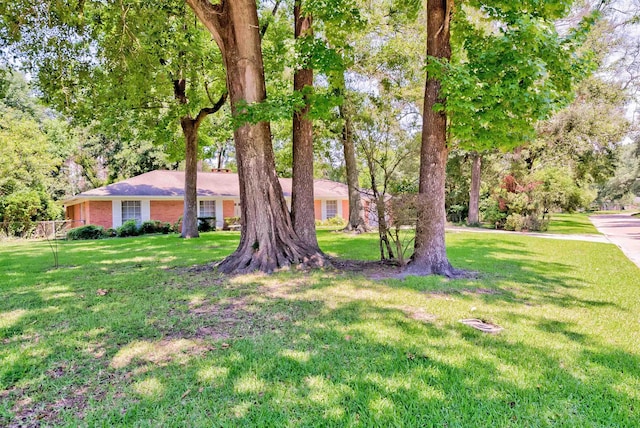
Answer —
622 230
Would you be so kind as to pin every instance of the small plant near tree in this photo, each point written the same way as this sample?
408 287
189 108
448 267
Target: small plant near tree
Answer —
402 214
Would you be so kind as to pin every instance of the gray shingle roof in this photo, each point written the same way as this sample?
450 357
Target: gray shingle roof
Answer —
168 184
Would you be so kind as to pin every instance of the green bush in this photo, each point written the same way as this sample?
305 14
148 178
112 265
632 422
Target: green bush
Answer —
129 228
154 226
86 232
514 222
177 226
491 213
333 221
206 224
529 222
535 223
231 221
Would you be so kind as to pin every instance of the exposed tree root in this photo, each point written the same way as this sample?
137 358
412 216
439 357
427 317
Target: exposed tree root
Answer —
414 268
271 259
356 230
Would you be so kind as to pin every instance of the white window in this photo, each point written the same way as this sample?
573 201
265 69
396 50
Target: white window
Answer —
207 208
132 210
332 209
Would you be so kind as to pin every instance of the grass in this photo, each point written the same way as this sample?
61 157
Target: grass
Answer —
571 224
128 332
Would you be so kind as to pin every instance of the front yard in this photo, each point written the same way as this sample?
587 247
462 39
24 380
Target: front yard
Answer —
140 332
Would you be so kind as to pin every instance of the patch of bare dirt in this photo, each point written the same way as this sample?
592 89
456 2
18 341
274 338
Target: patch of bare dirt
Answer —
28 414
378 269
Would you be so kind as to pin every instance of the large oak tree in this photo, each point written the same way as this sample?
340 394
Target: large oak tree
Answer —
268 240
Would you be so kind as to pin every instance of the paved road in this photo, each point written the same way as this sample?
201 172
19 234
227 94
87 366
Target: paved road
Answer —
622 230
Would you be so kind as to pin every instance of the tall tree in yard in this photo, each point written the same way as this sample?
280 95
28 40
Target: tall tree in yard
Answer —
302 198
430 256
268 240
510 68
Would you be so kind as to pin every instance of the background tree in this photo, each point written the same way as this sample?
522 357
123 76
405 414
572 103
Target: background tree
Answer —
302 198
33 146
133 70
510 68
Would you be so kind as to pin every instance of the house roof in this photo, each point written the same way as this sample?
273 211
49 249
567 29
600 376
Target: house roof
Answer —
170 184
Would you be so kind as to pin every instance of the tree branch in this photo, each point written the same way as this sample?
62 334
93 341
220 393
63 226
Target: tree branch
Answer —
265 26
210 110
209 15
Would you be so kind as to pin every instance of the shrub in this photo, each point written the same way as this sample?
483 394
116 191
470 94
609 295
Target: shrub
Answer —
206 224
537 224
333 221
231 221
514 222
177 226
529 222
86 232
154 226
491 212
129 228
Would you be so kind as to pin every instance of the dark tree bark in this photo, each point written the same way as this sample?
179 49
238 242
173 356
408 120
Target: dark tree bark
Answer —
474 191
430 256
190 131
302 208
190 213
356 219
268 240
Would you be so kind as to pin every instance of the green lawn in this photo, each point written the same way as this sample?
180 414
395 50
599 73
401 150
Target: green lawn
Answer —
571 224
128 332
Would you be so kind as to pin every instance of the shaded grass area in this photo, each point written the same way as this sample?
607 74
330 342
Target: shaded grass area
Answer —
575 223
130 333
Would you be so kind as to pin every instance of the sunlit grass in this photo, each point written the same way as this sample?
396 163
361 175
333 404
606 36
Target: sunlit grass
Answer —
128 333
576 223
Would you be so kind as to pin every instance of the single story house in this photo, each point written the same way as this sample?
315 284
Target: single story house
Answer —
159 195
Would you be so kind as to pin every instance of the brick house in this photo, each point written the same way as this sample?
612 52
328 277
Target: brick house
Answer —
159 195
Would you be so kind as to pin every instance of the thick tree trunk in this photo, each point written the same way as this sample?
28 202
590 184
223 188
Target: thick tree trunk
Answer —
356 219
190 214
302 208
268 240
430 256
474 191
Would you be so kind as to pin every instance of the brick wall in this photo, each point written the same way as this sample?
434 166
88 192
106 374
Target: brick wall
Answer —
99 213
167 211
228 209
345 209
74 212
317 209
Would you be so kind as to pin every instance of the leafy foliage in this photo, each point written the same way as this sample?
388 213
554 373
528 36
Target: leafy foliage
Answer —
510 68
129 228
89 231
